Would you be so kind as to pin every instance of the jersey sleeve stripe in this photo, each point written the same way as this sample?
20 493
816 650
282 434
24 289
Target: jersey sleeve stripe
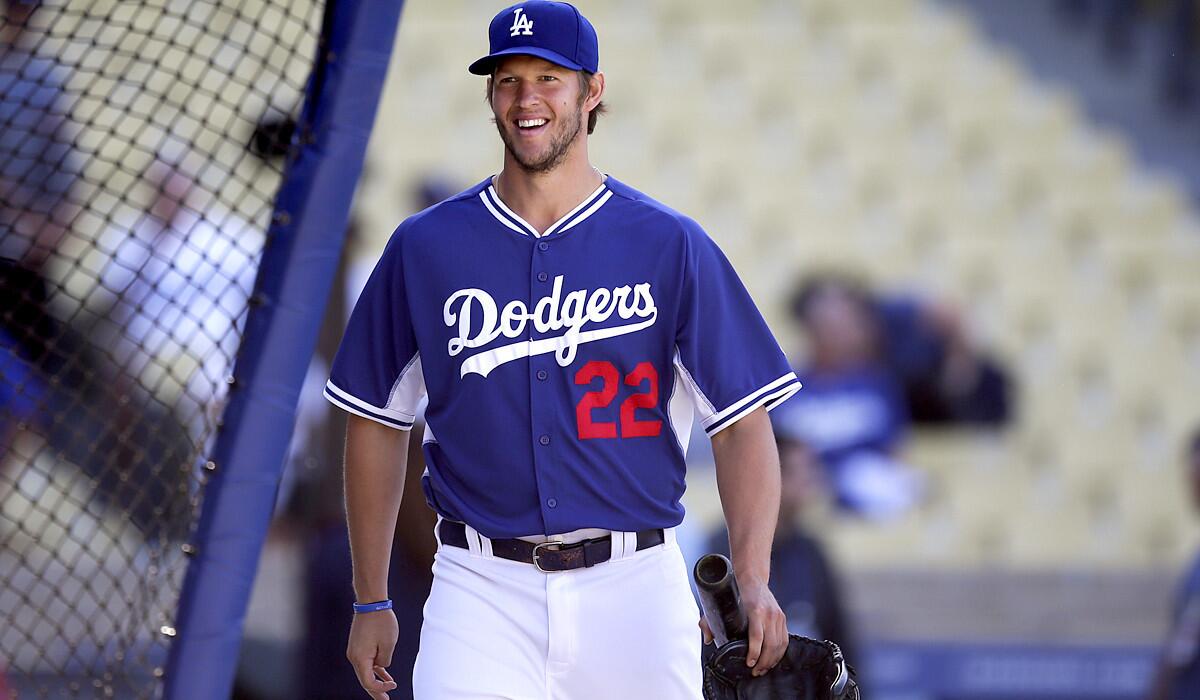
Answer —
365 413
344 397
781 396
752 397
770 400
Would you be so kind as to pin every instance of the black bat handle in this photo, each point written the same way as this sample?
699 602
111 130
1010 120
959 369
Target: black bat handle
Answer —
720 600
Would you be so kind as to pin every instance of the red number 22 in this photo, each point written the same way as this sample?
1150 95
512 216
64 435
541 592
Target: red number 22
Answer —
630 425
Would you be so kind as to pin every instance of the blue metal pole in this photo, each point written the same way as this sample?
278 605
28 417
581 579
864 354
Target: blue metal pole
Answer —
305 241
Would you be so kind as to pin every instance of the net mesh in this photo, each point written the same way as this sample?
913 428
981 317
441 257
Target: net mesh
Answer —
136 181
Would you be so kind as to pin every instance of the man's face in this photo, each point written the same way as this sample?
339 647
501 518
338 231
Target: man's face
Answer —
838 327
538 108
801 478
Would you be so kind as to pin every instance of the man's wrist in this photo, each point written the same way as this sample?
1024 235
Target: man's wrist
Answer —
747 574
370 588
374 606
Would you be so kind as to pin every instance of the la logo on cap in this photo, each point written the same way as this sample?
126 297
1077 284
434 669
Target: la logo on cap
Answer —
522 25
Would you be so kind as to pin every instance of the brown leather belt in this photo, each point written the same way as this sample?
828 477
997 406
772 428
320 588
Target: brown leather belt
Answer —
549 556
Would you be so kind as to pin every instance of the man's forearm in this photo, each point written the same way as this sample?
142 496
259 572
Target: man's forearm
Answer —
376 456
748 480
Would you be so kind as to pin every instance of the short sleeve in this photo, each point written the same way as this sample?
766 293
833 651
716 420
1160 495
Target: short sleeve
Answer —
376 373
726 354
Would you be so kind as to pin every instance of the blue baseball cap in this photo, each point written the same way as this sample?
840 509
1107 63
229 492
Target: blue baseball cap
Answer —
554 31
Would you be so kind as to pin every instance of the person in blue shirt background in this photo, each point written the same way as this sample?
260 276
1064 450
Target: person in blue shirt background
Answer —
852 411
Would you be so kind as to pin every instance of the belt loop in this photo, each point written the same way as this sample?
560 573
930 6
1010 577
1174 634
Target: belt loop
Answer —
437 535
669 536
624 544
618 545
474 540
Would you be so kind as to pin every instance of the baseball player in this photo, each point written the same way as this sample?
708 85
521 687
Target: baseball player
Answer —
565 329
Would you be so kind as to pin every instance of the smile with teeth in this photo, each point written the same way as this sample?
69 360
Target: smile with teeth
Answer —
531 123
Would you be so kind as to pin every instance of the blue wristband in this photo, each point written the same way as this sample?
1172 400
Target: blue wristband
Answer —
373 607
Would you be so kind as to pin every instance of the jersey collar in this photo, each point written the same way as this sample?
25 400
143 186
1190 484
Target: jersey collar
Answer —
506 216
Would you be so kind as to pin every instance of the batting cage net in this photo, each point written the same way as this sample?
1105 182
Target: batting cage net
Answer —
141 145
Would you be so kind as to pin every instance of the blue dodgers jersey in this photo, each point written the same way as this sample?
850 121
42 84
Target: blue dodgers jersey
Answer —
563 371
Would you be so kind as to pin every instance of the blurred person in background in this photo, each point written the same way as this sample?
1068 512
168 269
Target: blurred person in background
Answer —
167 311
178 286
57 381
802 577
1178 675
24 329
947 380
39 164
39 167
852 411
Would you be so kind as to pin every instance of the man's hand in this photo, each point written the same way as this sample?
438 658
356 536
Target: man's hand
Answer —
767 633
372 640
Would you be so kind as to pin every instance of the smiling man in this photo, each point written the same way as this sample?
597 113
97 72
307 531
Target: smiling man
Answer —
566 330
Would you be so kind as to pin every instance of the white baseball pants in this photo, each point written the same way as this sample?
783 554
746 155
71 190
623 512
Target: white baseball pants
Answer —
501 630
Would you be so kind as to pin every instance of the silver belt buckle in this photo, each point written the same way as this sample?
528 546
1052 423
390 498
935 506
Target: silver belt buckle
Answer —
537 564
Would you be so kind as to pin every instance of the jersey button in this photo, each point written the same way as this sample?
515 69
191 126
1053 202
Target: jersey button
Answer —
542 374
545 439
553 503
543 246
542 277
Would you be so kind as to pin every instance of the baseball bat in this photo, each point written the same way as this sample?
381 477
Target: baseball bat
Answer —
720 600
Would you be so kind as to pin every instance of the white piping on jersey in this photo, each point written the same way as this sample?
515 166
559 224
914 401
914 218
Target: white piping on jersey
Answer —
770 401
511 219
409 386
348 398
490 207
369 414
781 395
789 377
681 407
695 388
599 203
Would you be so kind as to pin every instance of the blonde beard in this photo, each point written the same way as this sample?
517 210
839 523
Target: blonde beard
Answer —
560 145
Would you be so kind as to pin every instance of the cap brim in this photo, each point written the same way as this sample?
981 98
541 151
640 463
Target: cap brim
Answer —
485 65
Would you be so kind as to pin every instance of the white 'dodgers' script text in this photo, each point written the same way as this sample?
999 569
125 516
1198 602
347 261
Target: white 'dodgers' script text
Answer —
480 321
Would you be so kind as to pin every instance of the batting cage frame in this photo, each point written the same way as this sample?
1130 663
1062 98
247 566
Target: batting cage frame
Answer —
305 240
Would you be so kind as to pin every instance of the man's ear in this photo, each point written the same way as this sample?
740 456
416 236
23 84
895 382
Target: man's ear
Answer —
595 91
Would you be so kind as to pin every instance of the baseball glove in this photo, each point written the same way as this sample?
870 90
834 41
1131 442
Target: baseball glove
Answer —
809 670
